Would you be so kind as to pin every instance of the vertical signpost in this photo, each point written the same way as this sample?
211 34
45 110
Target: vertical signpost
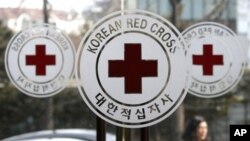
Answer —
123 134
132 70
49 101
144 134
216 60
215 57
40 60
100 129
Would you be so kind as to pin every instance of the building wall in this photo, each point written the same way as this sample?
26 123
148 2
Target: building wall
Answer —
190 9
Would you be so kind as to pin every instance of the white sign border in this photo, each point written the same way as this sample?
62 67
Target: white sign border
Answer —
83 93
244 63
63 84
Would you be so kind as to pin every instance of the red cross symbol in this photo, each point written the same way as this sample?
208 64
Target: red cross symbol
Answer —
208 60
132 68
40 60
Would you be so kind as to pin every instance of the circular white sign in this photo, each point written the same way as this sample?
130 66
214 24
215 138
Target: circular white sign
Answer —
40 60
215 57
131 69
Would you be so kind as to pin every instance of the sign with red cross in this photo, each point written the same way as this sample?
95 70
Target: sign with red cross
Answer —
40 60
132 70
215 57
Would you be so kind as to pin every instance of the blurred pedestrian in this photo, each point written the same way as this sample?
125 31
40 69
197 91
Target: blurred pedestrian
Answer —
196 130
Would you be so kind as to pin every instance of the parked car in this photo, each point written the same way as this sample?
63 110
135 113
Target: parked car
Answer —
60 135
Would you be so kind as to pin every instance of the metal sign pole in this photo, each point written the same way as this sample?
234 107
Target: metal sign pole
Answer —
144 134
123 134
49 101
101 129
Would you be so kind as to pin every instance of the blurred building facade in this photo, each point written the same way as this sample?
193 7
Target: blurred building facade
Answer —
190 11
18 18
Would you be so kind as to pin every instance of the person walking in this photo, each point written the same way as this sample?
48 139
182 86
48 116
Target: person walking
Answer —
196 130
